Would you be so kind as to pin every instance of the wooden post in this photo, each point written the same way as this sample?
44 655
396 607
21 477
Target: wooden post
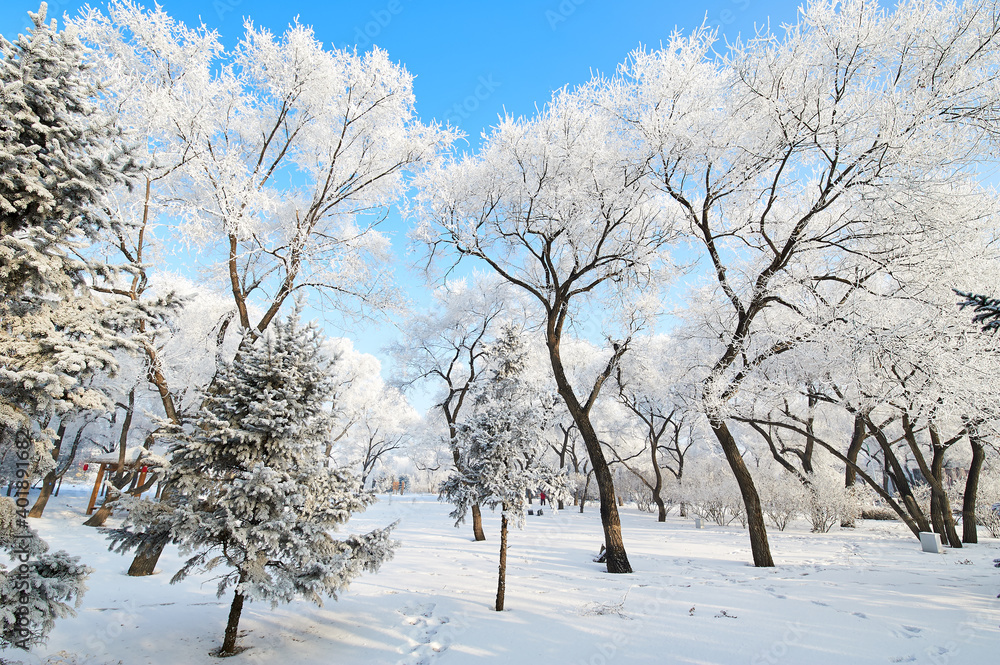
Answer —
142 479
97 486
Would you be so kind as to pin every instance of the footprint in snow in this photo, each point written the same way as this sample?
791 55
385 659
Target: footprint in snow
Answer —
425 640
816 602
860 615
908 632
771 591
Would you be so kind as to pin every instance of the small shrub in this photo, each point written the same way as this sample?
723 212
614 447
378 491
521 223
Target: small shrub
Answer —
989 518
878 513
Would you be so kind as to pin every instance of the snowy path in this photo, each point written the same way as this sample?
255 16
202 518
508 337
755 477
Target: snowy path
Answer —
863 596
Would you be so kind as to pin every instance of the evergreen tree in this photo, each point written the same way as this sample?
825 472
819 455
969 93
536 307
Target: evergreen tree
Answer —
503 444
250 487
58 156
986 310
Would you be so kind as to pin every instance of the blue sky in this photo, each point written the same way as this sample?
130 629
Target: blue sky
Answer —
472 60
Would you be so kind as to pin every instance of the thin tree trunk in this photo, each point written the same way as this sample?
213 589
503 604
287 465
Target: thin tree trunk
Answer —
879 489
661 512
104 512
759 546
583 493
857 441
937 485
477 515
661 509
899 478
233 626
477 522
969 531
502 580
850 474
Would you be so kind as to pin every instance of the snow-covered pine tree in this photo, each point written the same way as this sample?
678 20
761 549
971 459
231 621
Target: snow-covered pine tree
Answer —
250 487
58 156
502 445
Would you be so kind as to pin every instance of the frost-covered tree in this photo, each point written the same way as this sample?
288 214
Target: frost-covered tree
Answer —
446 348
561 209
503 445
809 163
251 489
288 154
652 390
280 157
58 154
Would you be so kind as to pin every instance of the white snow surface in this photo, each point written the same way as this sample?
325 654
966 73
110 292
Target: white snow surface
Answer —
864 595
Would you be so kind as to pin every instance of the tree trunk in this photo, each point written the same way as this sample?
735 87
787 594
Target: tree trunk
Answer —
477 522
759 546
148 554
937 487
232 627
899 478
477 515
617 558
103 513
49 483
661 509
502 580
850 474
857 441
878 488
145 560
43 497
969 531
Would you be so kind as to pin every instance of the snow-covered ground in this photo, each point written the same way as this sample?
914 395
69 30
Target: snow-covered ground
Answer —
867 595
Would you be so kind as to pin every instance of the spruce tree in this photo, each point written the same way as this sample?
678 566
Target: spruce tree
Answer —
58 156
503 444
251 490
986 310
